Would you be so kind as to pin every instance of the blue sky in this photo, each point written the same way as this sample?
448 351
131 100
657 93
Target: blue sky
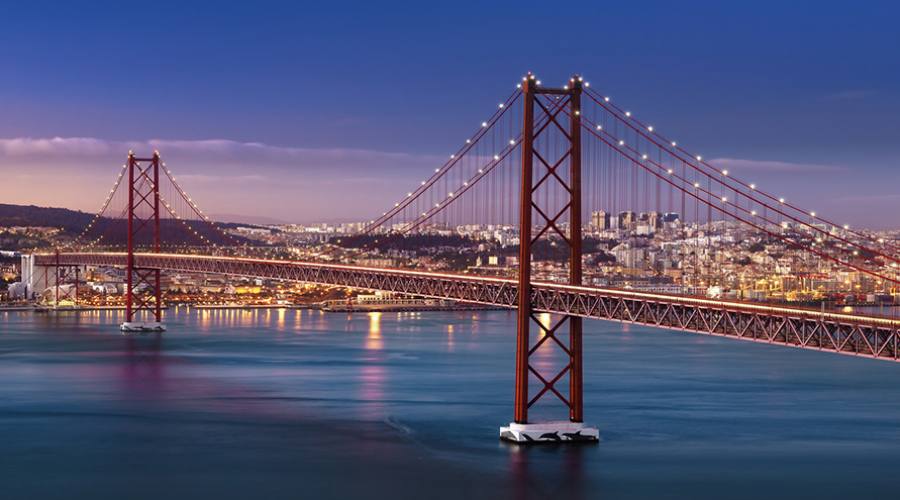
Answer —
374 92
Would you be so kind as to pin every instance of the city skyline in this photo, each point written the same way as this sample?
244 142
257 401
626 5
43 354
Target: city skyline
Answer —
265 120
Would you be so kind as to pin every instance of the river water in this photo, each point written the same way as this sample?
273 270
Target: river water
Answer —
304 404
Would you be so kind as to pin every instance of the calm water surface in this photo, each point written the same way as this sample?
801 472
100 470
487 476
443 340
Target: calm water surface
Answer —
302 404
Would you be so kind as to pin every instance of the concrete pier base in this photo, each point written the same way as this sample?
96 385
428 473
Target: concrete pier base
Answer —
549 432
142 327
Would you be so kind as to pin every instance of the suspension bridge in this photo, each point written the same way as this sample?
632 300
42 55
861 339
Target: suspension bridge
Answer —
547 160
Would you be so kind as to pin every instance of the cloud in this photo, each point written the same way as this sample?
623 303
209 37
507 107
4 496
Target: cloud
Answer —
744 165
226 176
184 154
56 146
292 183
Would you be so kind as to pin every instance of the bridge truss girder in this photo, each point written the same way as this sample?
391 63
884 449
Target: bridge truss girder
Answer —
841 333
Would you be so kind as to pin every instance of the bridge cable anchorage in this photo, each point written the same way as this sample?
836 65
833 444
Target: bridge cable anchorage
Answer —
441 171
722 177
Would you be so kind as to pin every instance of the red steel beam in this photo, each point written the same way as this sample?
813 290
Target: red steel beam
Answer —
523 311
853 334
576 411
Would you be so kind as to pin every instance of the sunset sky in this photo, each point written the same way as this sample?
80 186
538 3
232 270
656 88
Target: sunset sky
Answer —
332 110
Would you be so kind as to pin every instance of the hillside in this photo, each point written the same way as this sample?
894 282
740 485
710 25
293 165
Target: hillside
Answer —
72 222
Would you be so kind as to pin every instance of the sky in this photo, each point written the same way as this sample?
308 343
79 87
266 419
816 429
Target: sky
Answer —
328 111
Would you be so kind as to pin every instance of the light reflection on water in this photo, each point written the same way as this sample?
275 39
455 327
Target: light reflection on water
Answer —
450 343
409 404
373 340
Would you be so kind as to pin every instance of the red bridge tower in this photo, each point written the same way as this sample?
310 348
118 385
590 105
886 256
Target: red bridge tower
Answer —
142 294
538 213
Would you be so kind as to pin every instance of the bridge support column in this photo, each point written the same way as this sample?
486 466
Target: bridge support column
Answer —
56 281
522 430
142 286
75 289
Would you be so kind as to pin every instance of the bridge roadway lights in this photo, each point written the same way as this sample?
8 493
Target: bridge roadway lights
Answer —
142 327
550 432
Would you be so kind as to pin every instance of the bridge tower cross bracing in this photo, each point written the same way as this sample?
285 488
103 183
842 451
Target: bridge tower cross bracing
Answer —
143 290
548 220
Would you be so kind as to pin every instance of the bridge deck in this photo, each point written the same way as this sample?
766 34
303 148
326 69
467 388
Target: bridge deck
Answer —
853 334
